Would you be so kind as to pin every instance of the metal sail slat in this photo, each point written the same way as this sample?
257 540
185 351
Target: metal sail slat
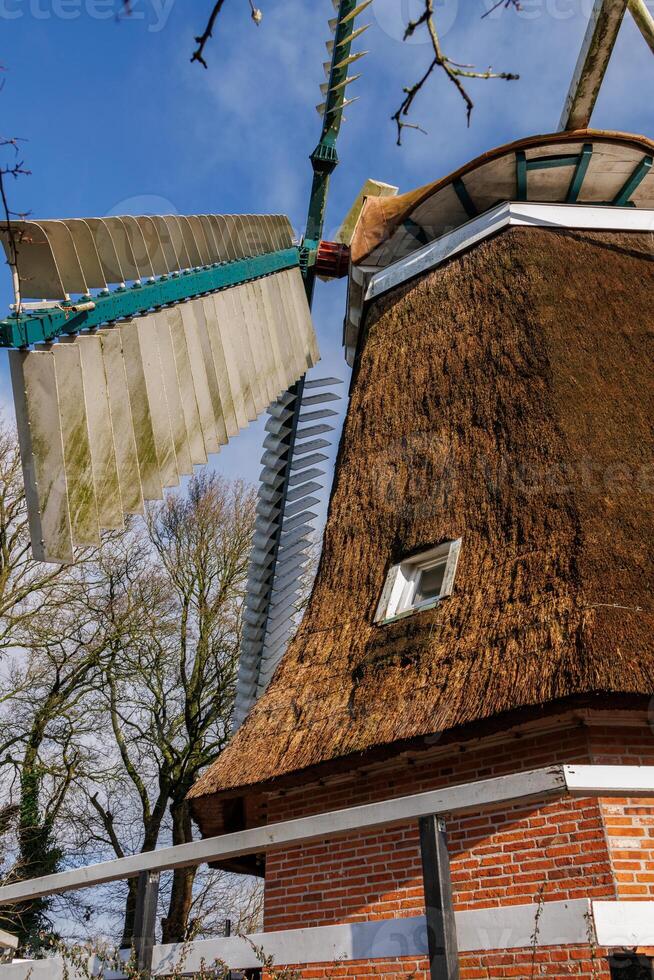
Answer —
248 336
187 385
197 307
200 239
156 394
123 247
260 344
42 453
39 272
173 393
234 356
296 359
240 338
146 448
101 434
78 466
63 246
122 424
288 358
169 238
220 366
178 240
87 251
163 263
107 253
139 247
200 381
265 329
307 332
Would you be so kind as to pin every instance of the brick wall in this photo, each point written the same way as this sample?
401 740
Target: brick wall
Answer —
546 851
629 823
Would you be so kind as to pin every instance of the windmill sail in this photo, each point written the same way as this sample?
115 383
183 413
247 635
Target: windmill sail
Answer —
291 455
150 378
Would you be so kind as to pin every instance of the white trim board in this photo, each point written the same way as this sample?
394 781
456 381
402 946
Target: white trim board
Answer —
575 216
576 922
552 781
629 924
512 927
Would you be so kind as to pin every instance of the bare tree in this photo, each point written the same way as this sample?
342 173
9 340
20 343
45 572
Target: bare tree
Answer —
168 692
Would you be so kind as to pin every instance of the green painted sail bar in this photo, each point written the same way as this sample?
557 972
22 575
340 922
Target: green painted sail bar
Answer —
90 312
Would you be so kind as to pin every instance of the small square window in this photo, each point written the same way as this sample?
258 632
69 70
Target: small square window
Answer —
418 582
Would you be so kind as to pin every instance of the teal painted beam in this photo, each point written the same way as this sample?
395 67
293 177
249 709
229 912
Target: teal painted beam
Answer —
547 163
324 158
580 173
465 199
521 175
21 331
630 185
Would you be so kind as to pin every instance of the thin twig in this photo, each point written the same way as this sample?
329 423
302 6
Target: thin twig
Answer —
455 71
17 170
503 3
201 40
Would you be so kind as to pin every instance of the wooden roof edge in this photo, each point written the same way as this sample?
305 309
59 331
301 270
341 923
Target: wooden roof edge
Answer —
387 213
502 723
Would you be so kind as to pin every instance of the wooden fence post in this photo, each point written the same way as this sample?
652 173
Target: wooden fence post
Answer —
439 910
145 918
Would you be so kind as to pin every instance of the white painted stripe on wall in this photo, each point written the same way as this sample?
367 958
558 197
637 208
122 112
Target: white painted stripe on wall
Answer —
593 780
624 923
513 927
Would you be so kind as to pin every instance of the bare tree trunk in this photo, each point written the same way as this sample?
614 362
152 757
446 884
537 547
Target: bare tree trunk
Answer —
175 927
149 844
130 912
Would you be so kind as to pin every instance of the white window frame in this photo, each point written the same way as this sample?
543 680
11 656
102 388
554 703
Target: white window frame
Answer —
402 580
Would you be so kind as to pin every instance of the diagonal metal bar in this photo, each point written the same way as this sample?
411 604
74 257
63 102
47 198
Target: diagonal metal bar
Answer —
644 20
596 49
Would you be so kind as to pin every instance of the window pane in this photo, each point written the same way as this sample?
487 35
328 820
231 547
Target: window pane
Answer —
430 582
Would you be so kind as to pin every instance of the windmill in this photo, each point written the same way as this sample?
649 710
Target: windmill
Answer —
453 656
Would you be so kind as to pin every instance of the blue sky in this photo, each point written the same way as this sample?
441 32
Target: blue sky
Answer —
117 120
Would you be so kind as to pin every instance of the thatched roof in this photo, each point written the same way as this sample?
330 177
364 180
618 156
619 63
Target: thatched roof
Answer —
506 398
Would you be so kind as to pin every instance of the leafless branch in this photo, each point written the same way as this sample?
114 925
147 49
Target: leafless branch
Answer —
201 39
454 70
16 170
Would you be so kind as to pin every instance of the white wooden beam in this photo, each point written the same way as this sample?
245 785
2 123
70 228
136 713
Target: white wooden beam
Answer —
556 780
570 922
533 215
560 923
644 20
609 780
596 49
388 813
8 940
629 924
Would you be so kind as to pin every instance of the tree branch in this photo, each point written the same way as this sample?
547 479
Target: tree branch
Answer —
201 40
454 71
